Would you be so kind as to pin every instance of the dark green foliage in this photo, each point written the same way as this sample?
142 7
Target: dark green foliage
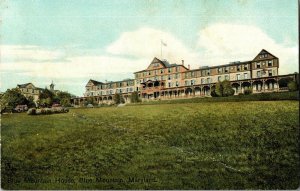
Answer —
239 98
46 98
64 98
118 98
90 100
283 82
11 98
224 89
292 86
30 102
134 97
223 145
247 91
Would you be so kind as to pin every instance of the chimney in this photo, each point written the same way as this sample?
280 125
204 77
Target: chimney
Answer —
188 66
182 61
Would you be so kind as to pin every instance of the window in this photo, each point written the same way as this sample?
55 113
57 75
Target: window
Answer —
202 81
226 77
149 73
177 84
269 72
162 77
208 80
170 84
245 75
161 71
186 83
246 67
219 70
192 82
169 70
258 65
192 74
227 69
266 55
219 78
239 68
169 77
258 74
270 63
238 77
175 76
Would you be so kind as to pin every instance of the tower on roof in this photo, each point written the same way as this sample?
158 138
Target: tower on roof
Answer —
52 86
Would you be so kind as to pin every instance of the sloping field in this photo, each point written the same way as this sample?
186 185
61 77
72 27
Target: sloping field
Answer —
224 145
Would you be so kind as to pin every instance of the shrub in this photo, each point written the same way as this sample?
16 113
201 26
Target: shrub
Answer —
47 111
292 86
118 98
283 82
31 111
247 91
134 97
224 89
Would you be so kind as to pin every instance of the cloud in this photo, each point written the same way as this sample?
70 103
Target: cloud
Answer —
222 43
19 53
146 43
76 67
217 44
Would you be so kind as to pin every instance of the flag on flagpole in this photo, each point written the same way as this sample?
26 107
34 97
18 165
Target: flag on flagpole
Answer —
163 43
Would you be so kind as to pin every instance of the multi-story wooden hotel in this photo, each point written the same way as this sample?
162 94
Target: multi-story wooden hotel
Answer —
162 80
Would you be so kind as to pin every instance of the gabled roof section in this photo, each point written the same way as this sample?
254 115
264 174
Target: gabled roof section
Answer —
25 85
157 63
263 55
93 82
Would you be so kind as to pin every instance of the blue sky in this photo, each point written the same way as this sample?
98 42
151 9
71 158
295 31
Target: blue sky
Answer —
72 41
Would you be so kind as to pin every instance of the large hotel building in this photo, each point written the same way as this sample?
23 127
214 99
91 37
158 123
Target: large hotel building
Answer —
162 80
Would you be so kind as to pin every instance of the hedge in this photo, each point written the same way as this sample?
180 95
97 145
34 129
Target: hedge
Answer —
46 111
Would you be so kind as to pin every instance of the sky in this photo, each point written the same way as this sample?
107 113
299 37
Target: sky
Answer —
69 42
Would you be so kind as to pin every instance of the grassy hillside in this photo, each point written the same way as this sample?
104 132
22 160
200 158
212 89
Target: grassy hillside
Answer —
222 145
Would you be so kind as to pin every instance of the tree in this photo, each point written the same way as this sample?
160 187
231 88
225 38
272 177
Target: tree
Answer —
30 102
46 98
13 97
223 89
292 86
118 98
64 98
134 97
283 82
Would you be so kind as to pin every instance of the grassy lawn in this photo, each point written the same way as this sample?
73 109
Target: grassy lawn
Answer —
223 145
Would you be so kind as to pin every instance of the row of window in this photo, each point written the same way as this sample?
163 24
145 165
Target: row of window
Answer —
29 90
110 92
157 72
260 64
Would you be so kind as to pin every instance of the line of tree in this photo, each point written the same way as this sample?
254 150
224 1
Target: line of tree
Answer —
13 97
47 98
